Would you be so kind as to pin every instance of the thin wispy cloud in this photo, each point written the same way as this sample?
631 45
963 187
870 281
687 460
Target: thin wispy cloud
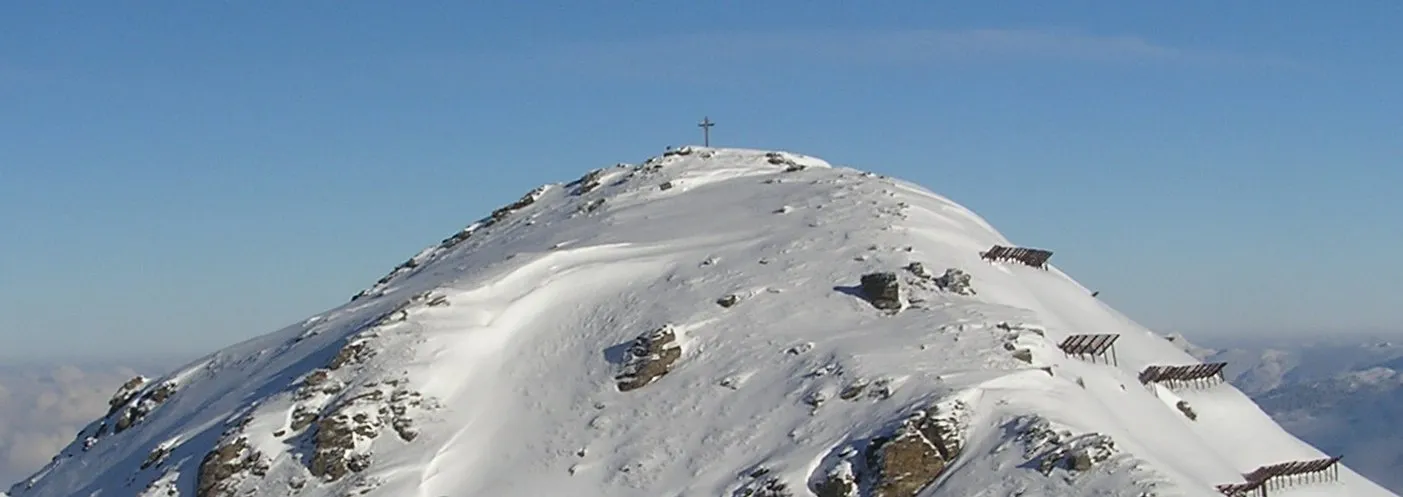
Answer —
906 48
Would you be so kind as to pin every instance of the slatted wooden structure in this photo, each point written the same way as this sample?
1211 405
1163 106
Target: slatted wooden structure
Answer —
1091 347
1262 481
1188 376
1242 490
1033 257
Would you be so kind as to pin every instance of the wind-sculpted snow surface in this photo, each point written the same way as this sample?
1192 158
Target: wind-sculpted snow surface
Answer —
697 325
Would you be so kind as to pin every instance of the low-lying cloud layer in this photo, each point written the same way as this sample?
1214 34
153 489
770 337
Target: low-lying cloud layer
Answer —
43 406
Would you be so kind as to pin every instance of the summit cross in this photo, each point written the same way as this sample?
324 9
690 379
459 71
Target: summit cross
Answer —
706 125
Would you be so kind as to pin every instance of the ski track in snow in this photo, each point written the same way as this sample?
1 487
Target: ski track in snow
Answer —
540 306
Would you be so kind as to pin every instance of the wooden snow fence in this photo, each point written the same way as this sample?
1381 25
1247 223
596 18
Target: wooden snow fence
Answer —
1262 481
1032 257
1189 376
1093 348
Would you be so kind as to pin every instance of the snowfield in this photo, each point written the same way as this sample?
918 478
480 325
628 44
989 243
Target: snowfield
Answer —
696 325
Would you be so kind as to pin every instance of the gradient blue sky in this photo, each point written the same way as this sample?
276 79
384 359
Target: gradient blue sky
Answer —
177 176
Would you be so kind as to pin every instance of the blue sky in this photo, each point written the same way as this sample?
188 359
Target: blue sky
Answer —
177 176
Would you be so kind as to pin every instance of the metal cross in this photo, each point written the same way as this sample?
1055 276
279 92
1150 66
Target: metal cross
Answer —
706 125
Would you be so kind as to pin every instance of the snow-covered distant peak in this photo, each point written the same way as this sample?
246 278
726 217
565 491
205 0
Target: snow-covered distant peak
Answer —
709 322
1179 340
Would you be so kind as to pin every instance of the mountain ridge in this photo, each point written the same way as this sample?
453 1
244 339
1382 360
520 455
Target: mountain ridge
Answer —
698 324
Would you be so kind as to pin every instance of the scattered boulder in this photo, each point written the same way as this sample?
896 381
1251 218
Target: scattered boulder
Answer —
919 270
728 300
852 391
955 281
1183 407
882 290
651 356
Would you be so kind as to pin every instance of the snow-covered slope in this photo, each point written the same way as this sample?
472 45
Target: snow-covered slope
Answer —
692 326
1343 395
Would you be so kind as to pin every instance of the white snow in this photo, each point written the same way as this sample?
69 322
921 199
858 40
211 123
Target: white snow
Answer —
516 371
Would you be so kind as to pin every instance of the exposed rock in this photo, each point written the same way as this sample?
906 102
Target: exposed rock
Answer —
355 352
1060 449
1183 406
591 206
148 402
902 464
680 151
919 270
852 391
125 394
651 356
404 427
157 456
882 290
1025 355
955 281
302 417
761 484
525 200
780 159
838 482
220 467
334 455
588 183
666 185
728 300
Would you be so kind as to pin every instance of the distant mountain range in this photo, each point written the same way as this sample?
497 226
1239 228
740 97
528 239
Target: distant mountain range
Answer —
1343 395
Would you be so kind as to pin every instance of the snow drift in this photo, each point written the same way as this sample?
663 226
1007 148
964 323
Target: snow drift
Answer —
710 322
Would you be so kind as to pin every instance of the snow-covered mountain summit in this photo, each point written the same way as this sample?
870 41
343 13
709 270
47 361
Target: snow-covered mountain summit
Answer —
712 322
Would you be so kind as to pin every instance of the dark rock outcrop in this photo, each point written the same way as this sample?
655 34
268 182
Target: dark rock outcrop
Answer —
882 290
762 484
955 281
334 454
143 406
905 462
839 482
221 467
1054 449
125 394
651 356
